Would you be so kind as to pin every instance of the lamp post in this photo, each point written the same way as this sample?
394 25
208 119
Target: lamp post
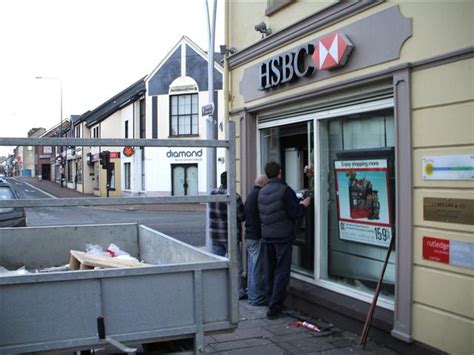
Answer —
60 118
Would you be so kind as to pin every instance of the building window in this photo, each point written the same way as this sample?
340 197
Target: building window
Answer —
184 115
142 119
127 172
96 175
79 171
112 176
95 132
69 171
77 132
126 129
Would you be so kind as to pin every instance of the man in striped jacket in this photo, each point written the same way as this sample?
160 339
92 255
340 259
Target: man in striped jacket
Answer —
218 228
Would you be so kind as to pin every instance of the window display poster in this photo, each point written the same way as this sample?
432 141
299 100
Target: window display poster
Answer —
363 201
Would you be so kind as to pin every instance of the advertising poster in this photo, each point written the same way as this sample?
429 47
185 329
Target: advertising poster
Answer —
363 201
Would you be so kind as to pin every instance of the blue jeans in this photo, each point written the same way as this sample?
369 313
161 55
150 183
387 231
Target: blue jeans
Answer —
255 273
220 248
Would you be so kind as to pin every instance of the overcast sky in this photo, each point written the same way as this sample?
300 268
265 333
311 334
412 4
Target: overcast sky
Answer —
96 48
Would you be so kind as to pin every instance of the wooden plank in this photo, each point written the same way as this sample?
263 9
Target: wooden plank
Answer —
84 261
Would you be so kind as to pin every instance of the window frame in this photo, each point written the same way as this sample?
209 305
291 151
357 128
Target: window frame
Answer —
190 115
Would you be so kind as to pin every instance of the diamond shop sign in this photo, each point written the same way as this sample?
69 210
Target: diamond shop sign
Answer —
326 53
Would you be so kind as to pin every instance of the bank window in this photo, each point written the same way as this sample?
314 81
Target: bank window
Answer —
358 187
184 115
351 243
127 173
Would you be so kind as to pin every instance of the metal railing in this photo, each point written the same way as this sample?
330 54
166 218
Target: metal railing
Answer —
230 198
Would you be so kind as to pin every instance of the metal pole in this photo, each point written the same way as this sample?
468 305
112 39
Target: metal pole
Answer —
210 132
232 223
210 123
370 315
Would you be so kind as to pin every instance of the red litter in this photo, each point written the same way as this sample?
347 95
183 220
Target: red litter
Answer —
306 325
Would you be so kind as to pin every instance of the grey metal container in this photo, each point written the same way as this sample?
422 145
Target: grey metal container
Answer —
186 292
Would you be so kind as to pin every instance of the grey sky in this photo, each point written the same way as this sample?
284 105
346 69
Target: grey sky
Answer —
96 47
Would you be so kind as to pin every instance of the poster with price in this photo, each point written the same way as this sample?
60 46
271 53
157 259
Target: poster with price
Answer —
363 201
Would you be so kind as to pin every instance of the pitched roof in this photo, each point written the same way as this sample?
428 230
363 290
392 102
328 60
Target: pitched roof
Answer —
129 95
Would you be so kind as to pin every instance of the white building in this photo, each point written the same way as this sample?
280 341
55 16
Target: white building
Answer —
176 90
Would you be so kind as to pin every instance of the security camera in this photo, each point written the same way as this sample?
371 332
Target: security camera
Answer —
262 28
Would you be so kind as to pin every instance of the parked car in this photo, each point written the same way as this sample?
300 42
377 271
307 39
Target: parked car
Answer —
10 217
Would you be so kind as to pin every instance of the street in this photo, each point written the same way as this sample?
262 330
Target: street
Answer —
188 227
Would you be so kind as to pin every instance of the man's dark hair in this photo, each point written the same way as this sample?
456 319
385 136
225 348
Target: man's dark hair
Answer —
224 178
272 168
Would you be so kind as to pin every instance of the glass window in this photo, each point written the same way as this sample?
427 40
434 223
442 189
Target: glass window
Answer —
127 176
184 115
359 137
352 251
96 175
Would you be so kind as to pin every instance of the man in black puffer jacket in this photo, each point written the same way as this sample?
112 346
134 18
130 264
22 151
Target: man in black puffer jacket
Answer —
278 207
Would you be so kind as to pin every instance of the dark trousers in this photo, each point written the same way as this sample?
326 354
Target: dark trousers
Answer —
277 273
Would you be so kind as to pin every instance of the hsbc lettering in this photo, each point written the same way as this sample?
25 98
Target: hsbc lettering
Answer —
327 53
285 68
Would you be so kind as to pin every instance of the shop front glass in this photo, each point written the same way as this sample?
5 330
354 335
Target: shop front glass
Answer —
352 170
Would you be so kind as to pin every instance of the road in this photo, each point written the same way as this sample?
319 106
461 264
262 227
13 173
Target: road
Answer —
188 227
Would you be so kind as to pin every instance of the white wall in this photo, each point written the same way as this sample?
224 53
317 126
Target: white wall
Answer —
158 165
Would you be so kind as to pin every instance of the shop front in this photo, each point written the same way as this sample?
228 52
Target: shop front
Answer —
106 178
340 109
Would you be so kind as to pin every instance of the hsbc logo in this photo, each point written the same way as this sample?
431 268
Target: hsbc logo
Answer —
332 51
326 53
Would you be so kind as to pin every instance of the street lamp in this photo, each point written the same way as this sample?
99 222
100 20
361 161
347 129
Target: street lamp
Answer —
61 112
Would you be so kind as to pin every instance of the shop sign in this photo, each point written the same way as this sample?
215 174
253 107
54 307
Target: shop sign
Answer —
324 57
448 167
184 154
285 68
363 201
44 156
114 155
326 53
450 252
128 151
448 210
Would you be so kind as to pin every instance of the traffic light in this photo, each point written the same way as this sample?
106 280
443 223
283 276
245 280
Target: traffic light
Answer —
104 159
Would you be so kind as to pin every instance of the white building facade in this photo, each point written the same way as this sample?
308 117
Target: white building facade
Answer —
176 91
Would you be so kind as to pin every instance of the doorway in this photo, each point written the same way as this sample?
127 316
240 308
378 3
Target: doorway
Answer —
292 146
45 171
184 179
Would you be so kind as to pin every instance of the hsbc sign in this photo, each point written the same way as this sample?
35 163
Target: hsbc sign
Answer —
326 53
